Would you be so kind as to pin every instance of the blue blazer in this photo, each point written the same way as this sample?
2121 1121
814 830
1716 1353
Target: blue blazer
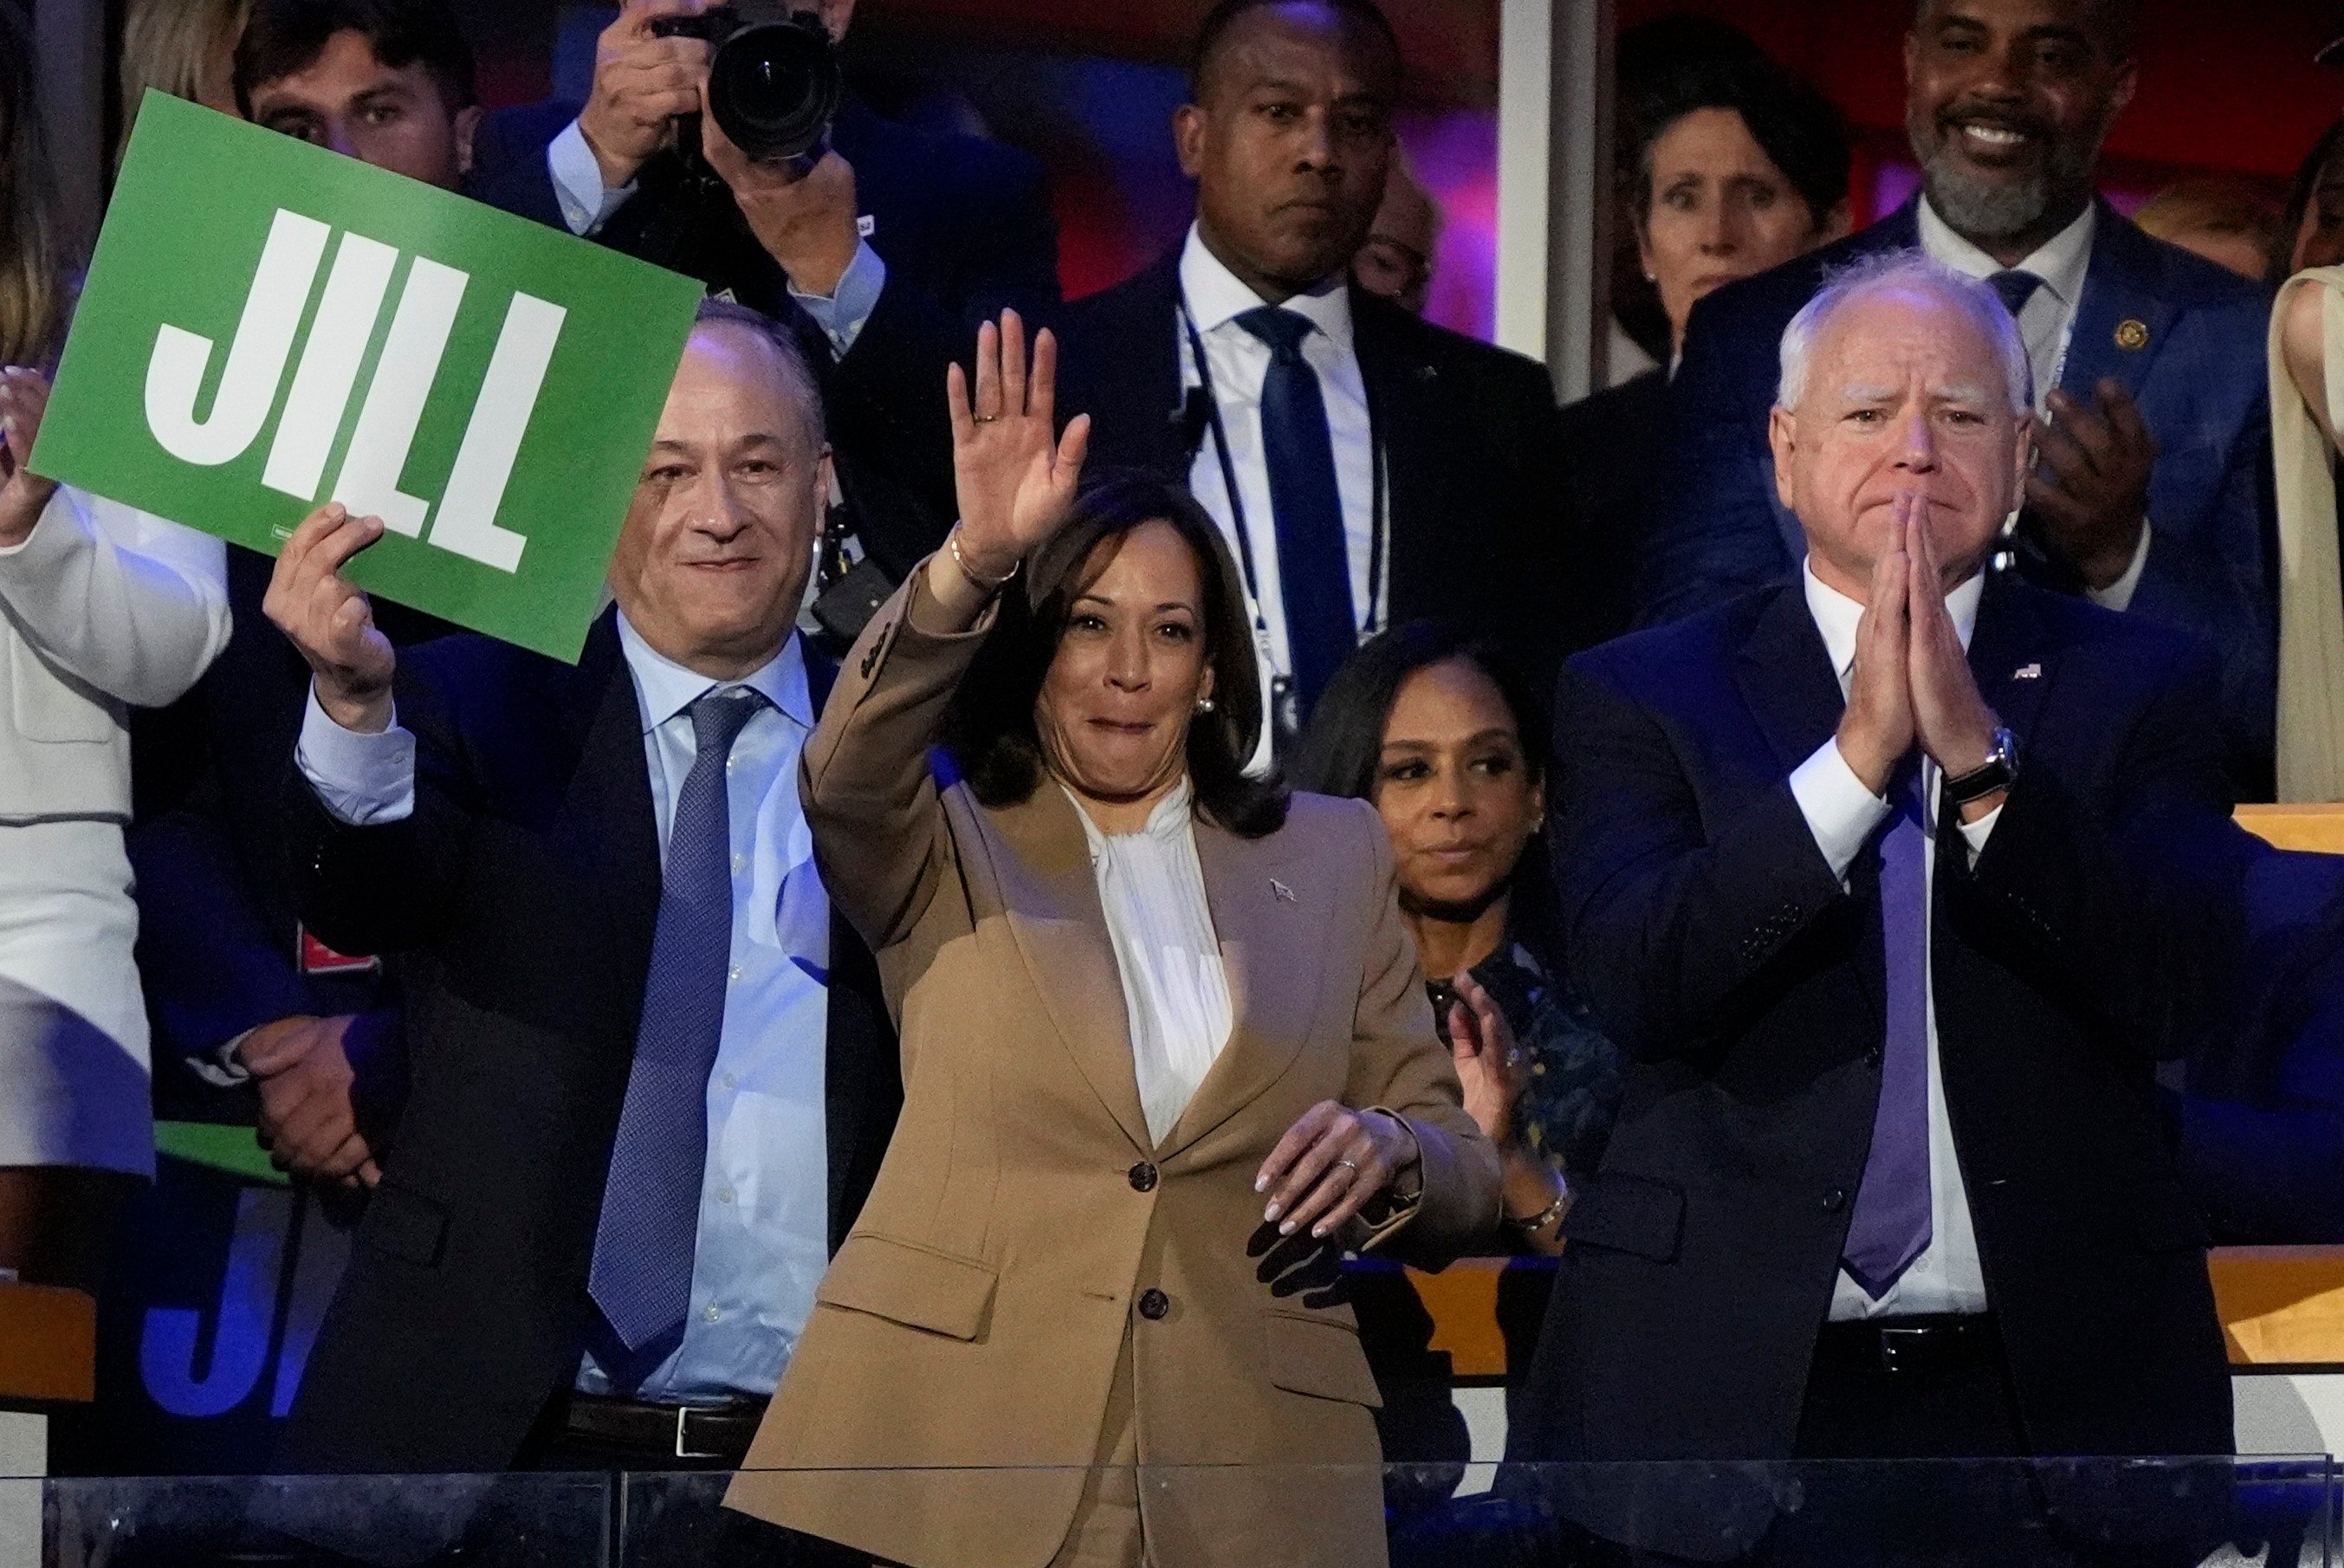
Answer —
2200 379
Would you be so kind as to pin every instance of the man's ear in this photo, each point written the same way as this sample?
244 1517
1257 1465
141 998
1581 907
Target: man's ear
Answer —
1782 435
467 127
1188 125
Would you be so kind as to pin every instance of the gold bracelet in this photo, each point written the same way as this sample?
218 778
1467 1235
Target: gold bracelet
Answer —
1544 1217
983 584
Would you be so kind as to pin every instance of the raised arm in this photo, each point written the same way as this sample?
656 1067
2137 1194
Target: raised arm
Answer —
869 790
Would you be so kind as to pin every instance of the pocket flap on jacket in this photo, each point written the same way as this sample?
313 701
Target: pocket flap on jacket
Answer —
1629 1214
907 1283
1319 1357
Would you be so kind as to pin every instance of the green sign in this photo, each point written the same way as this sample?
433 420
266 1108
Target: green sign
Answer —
267 326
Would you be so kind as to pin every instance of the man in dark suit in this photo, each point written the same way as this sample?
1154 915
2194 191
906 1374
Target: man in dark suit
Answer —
1893 934
884 255
1367 467
2151 493
652 1078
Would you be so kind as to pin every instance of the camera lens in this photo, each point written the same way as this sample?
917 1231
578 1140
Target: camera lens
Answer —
774 87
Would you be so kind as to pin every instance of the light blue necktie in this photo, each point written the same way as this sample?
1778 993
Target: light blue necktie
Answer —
644 1246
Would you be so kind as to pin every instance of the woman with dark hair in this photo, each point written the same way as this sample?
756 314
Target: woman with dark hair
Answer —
101 608
1165 1055
1741 166
1440 735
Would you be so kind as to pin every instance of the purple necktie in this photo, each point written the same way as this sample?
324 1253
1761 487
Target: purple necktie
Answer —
1891 1226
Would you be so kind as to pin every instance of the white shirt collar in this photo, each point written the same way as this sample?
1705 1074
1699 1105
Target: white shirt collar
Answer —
2062 263
1169 820
667 688
1836 615
1217 297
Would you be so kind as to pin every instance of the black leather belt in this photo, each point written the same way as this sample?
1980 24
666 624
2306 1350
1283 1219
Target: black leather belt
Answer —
666 1431
1918 1344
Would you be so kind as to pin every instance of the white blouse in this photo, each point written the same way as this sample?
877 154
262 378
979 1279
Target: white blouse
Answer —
1176 991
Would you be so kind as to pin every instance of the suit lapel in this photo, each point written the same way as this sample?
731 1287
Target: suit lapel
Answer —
1125 360
1270 914
2122 321
1403 389
1787 680
609 807
1054 912
2010 658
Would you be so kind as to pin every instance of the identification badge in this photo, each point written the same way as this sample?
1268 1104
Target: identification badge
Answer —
315 958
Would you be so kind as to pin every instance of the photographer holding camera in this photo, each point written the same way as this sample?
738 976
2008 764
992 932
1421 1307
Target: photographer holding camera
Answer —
720 141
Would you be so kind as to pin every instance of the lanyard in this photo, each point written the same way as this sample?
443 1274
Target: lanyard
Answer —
1377 564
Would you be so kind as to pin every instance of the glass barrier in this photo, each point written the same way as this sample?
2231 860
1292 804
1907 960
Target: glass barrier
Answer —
2197 1513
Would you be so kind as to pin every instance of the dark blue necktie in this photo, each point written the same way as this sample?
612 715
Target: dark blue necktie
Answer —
2016 288
643 1247
1314 567
1892 1221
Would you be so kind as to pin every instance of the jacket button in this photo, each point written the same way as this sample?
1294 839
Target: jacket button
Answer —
1143 1177
1154 1304
1834 1200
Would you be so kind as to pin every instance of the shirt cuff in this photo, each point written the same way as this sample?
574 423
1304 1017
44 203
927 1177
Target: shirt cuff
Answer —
578 186
2118 595
1975 834
219 1067
1841 812
840 313
364 781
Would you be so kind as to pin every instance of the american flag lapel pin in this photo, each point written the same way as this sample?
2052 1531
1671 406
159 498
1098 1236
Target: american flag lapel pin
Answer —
2028 672
1285 894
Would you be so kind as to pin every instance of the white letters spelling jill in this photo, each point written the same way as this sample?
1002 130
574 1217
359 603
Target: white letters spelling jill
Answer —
326 381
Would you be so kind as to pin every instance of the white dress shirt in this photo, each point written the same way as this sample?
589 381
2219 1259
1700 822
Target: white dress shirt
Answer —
2047 324
1844 816
587 205
1176 989
764 1211
1240 365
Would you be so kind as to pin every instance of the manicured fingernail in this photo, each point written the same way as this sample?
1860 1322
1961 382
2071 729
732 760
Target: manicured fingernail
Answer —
1261 1183
1270 1215
1317 1232
1287 1229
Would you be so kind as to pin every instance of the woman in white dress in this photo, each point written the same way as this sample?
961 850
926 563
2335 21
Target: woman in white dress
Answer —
101 608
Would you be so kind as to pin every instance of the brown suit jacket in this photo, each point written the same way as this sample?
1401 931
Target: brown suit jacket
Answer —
982 1310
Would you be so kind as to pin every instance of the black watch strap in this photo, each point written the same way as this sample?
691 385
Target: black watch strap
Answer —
1997 772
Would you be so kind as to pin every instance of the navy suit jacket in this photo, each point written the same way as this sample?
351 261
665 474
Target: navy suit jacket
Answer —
1468 433
526 889
966 230
2200 381
1745 986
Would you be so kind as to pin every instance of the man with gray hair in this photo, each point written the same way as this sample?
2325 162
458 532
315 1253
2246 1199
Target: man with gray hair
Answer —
2149 492
1893 884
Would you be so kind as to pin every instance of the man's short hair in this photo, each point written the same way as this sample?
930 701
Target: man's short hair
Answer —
1912 272
1214 32
285 37
797 373
2118 22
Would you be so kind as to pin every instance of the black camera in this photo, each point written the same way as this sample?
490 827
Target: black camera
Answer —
774 82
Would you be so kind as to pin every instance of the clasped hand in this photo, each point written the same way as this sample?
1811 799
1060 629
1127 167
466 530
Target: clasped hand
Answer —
1912 684
1331 1164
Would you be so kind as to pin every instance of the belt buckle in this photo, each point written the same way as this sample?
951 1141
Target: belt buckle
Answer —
1897 1344
683 1446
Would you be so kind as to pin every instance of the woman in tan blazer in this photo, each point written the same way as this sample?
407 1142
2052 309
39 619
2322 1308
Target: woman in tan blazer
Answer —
1166 1053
